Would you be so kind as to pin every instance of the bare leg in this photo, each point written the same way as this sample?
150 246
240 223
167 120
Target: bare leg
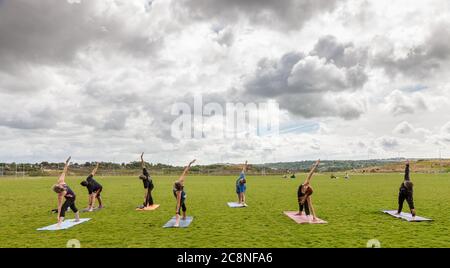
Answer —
61 219
100 204
77 216
177 220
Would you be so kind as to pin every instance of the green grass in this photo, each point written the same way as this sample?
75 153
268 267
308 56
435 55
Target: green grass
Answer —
352 209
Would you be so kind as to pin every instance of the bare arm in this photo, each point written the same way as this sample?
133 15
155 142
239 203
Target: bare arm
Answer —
185 171
244 169
95 170
142 160
313 169
62 178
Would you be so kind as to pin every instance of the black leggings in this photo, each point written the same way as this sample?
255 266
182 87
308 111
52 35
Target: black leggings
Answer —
70 202
149 199
304 206
182 207
402 196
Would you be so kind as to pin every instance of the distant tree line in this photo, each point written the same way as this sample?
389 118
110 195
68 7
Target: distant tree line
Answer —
281 168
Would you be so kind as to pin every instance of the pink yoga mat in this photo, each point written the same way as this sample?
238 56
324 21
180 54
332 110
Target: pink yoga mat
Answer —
303 219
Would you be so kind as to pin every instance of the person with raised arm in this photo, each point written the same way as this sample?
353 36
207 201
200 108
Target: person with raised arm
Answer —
94 189
148 186
180 194
241 186
304 193
64 192
406 193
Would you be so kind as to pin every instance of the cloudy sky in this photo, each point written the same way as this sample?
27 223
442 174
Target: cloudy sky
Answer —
97 79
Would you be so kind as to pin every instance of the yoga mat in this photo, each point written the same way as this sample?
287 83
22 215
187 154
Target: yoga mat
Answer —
303 218
183 223
153 207
405 216
235 205
64 225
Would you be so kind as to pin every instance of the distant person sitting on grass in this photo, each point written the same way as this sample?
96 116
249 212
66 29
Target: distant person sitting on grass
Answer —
241 186
406 193
148 186
304 193
94 189
64 191
180 195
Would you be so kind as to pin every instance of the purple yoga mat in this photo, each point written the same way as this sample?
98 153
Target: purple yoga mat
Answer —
303 219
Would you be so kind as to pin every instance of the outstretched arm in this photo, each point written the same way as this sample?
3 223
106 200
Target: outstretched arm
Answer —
244 169
142 160
63 174
185 171
407 171
95 170
313 169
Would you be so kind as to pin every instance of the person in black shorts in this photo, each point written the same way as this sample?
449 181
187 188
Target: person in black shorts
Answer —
148 186
406 193
180 195
64 192
94 189
304 193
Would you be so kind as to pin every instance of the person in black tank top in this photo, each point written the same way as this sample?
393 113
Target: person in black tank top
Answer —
94 189
148 186
180 195
406 193
304 193
64 192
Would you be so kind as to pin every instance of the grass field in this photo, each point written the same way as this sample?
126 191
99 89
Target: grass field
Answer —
351 207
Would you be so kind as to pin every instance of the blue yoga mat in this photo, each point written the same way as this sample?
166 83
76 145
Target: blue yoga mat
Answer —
183 223
405 216
64 225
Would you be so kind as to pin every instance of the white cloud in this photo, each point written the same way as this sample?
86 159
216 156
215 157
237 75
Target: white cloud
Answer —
96 79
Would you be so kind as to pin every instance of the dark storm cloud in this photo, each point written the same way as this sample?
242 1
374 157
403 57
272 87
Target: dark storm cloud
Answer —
53 32
291 14
422 61
305 84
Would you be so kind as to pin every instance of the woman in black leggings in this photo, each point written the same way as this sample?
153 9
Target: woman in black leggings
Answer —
148 186
406 193
304 193
180 195
64 191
